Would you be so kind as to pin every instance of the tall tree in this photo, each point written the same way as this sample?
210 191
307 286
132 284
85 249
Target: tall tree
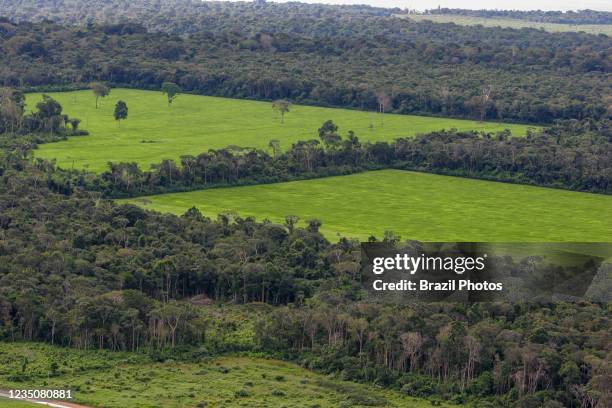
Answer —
328 134
11 109
171 90
275 146
282 106
100 91
485 100
121 112
384 101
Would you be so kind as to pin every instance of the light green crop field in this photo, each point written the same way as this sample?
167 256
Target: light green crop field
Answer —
512 23
194 124
12 403
417 206
123 380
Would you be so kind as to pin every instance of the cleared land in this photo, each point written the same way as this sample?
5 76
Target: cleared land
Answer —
194 124
419 206
512 23
106 379
12 403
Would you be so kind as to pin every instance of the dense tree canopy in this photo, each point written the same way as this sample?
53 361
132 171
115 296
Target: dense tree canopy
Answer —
82 271
76 269
317 54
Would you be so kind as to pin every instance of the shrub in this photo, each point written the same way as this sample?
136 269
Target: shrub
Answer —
419 386
482 385
359 398
241 393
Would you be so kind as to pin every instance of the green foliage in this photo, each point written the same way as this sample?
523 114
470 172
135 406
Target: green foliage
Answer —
293 52
410 204
117 380
281 106
121 111
100 90
483 385
512 23
225 122
419 386
171 90
576 18
241 393
80 271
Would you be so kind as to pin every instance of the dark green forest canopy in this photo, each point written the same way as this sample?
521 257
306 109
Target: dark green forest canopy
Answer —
78 270
316 54
83 272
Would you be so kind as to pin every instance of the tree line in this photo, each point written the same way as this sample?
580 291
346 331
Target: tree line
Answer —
454 352
574 155
528 75
551 16
80 271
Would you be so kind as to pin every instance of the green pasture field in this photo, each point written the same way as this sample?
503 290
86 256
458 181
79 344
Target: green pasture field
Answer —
195 124
512 23
12 403
121 380
417 206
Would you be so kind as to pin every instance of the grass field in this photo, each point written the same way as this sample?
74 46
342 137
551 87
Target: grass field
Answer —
10 403
414 205
194 124
512 23
122 380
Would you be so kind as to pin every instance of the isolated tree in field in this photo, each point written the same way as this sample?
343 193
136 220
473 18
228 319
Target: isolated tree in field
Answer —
100 91
275 146
121 112
171 90
384 101
282 106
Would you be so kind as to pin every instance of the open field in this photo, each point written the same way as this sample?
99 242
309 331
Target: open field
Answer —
512 23
194 124
106 379
419 206
11 403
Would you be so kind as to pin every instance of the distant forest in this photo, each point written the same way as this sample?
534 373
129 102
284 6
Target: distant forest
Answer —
558 17
333 56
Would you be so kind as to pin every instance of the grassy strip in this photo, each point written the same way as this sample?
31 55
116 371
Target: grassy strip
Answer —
414 205
193 124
